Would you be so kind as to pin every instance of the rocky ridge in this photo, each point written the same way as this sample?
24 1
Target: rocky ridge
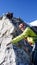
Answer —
10 54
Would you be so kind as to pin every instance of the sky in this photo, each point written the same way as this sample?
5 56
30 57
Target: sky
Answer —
25 9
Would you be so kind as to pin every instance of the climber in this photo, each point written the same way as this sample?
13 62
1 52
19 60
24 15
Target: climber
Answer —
22 27
27 46
31 35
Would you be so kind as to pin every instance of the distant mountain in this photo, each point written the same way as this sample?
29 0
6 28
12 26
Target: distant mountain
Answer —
34 26
34 23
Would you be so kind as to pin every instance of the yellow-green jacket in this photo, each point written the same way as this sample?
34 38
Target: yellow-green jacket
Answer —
27 33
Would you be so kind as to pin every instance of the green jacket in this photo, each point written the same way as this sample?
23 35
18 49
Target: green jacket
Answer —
27 33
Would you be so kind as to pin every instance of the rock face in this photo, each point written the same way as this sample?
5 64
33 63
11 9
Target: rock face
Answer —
10 54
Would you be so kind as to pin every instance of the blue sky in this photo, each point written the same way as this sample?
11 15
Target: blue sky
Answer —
26 9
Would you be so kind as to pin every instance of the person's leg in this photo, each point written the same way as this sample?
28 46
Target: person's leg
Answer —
34 55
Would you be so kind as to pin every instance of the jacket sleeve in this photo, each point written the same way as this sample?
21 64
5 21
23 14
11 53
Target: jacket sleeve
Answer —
27 32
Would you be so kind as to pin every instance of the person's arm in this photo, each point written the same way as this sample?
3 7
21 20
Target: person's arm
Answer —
27 32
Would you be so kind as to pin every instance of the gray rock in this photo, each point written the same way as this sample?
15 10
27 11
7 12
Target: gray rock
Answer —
10 54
